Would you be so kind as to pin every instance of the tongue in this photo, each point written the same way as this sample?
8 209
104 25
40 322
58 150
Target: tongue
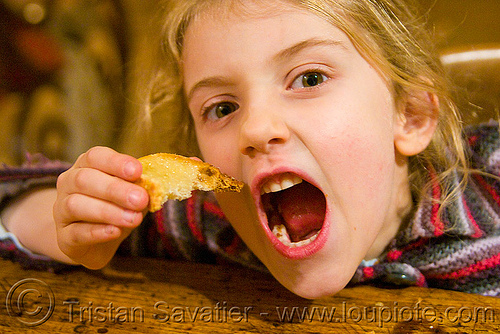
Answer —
303 210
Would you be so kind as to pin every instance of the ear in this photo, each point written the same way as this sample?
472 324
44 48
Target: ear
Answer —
416 122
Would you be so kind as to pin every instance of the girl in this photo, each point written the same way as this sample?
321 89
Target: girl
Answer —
336 116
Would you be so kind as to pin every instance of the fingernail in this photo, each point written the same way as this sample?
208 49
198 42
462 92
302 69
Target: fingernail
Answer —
110 229
129 169
134 197
128 216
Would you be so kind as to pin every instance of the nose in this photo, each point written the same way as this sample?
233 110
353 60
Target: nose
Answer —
262 128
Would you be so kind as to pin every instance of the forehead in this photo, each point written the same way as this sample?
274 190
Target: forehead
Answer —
242 8
251 22
254 33
222 10
332 15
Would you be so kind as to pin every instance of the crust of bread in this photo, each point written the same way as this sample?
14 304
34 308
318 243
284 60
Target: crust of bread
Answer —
169 176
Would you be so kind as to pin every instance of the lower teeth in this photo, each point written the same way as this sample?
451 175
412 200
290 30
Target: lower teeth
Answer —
281 233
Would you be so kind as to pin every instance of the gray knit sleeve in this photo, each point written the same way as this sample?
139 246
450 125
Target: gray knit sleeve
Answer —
37 171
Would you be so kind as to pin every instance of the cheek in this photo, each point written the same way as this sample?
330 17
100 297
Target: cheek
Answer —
221 150
361 172
358 159
361 145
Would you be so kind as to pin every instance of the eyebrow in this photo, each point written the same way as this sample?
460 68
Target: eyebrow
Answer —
308 43
208 82
279 57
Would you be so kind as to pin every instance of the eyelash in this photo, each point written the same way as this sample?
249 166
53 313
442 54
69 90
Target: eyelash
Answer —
206 111
324 77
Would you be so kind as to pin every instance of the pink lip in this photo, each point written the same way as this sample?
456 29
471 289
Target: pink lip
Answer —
294 253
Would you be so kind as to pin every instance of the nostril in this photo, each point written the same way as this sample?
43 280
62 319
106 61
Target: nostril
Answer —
277 140
248 151
263 147
260 131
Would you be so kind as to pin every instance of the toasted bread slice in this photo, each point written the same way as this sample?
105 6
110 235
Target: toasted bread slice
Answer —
170 176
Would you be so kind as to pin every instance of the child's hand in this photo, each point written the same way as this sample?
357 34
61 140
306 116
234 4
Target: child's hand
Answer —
98 205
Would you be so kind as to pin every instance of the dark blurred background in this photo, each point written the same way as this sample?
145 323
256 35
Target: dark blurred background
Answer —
69 69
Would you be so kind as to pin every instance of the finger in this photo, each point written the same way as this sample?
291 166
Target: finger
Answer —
78 207
94 183
77 237
111 162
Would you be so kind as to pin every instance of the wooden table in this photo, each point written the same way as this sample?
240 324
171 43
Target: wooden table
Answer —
151 296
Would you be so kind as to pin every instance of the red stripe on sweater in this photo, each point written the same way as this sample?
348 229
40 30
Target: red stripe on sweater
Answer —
192 221
160 227
213 209
159 221
488 188
476 267
421 281
232 248
368 272
472 140
436 195
395 254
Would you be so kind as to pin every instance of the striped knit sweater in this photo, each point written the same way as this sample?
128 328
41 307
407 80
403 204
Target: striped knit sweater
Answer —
458 250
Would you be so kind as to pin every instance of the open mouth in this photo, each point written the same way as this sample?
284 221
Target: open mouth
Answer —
295 209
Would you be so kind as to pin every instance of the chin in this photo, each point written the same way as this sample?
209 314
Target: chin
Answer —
316 291
312 285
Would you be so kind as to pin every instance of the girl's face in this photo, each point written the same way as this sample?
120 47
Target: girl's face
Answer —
283 101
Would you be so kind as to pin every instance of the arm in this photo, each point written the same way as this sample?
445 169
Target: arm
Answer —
30 219
17 183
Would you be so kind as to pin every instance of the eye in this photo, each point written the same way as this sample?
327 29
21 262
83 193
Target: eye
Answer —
308 80
220 110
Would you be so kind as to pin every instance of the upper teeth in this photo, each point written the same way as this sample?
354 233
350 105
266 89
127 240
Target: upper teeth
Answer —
284 182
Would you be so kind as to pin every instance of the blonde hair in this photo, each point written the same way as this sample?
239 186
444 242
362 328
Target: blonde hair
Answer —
386 33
